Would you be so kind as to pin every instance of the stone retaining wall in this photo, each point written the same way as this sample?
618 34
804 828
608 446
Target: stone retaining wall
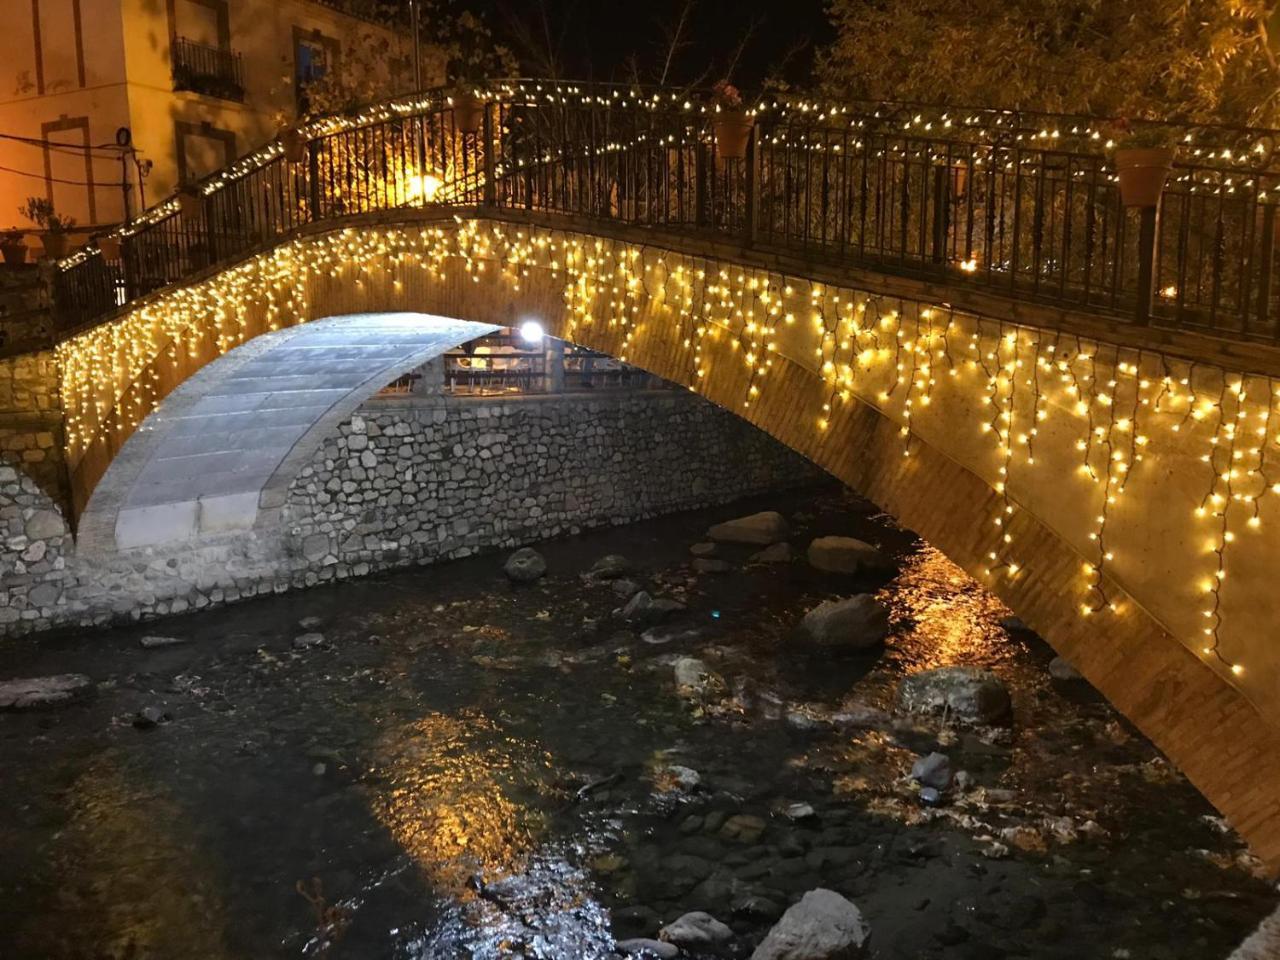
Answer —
406 480
31 419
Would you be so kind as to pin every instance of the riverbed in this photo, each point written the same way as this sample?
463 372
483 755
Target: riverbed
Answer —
463 767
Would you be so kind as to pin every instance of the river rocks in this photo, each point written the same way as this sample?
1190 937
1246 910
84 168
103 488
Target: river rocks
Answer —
965 694
711 565
930 796
625 589
762 528
32 692
610 567
524 566
1060 670
153 642
743 828
694 678
853 624
822 926
149 717
775 553
933 770
659 636
675 778
308 640
845 555
703 549
697 932
642 607
643 947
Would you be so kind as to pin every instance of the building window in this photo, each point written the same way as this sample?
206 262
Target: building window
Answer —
212 71
314 55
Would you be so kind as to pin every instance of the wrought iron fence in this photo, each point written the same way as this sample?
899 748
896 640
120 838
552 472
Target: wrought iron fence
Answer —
987 198
213 71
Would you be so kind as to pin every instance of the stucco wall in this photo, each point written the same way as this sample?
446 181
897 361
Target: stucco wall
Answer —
406 480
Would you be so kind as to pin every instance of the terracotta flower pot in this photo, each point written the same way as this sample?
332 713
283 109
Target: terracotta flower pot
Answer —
1143 173
190 203
14 252
55 245
294 144
468 112
733 130
109 247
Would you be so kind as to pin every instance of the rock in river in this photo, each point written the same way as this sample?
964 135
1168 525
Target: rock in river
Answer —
762 528
698 932
822 926
1059 669
853 624
967 694
31 692
525 565
845 555
642 947
693 677
932 771
610 567
153 641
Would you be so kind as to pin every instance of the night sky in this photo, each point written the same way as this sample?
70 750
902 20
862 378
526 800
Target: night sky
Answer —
600 39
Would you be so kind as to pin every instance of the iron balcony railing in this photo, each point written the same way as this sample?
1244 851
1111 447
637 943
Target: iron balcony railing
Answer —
213 71
1023 205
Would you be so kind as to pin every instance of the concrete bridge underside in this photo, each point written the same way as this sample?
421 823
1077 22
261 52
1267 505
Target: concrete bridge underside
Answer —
768 347
228 440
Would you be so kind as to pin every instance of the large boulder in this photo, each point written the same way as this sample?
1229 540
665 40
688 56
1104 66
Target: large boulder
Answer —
853 624
966 694
845 555
31 692
697 932
525 565
761 528
822 926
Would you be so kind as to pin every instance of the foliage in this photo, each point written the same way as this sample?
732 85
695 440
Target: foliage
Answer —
726 96
1188 60
40 211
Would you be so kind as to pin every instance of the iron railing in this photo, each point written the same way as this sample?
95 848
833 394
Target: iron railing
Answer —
213 71
991 199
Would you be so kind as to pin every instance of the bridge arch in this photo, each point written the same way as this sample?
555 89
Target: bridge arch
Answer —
1027 455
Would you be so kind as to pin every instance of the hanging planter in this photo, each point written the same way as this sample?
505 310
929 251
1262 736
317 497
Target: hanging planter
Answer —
109 247
12 248
294 144
468 111
190 202
733 132
55 245
1143 172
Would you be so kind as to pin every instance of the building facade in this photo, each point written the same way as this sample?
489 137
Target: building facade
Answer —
106 105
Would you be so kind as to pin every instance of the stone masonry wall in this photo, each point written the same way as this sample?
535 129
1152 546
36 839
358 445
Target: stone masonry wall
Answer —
31 419
406 480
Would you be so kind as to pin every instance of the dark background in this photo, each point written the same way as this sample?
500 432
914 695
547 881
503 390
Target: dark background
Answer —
746 41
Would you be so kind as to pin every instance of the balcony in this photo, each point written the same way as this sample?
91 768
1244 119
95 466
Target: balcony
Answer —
212 71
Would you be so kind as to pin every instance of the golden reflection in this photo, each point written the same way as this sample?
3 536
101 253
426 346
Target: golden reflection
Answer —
450 804
950 617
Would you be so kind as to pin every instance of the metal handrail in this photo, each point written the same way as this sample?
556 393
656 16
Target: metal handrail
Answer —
1029 213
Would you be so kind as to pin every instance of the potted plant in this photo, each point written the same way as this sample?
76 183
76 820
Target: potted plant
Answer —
731 123
12 246
1144 161
40 211
468 108
190 200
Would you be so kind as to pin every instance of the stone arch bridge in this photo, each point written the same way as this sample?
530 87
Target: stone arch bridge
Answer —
1096 449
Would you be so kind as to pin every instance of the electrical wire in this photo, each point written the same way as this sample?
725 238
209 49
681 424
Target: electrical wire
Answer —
77 183
63 145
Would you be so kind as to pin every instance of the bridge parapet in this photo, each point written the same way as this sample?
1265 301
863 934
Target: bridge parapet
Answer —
1026 205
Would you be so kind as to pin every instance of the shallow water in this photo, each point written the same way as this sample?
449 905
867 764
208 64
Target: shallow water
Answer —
470 769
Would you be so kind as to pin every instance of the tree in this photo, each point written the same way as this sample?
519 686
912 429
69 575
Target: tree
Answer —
1189 60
